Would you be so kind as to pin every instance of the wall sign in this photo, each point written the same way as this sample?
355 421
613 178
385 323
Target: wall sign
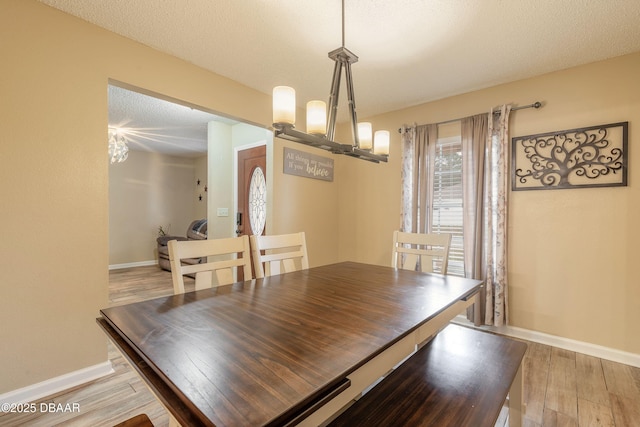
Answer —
309 165
594 156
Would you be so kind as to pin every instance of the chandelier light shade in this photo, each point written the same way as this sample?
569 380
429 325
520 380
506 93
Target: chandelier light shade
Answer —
320 129
284 105
365 135
317 117
381 142
118 149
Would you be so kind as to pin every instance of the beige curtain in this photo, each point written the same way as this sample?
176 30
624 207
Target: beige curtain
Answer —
497 312
417 175
485 141
474 131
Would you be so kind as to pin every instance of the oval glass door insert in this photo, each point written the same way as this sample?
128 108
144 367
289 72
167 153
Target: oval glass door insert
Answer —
257 201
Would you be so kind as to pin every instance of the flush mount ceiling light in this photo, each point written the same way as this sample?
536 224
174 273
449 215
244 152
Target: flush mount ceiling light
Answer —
118 149
320 134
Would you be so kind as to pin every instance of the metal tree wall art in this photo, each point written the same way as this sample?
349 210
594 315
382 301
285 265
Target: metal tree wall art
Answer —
594 156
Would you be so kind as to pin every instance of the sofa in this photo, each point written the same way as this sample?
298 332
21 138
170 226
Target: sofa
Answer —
197 230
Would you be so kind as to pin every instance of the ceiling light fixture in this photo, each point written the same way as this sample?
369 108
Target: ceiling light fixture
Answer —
320 134
118 149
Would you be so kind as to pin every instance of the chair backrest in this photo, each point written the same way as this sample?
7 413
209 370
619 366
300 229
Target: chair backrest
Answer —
279 253
227 255
428 250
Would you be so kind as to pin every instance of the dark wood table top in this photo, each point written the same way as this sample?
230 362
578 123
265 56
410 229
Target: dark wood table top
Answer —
260 352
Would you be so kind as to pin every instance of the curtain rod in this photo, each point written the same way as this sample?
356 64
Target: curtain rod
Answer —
535 105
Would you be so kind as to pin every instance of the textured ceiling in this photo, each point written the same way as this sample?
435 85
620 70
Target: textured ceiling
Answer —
411 51
152 124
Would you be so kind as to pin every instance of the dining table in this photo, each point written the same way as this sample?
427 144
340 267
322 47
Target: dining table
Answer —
290 349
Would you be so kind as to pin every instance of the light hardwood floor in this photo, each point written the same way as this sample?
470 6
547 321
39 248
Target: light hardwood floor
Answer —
561 388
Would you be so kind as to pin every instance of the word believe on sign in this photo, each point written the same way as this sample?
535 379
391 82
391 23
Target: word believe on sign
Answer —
308 165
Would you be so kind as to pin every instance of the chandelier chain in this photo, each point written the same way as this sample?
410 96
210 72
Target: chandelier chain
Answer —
342 23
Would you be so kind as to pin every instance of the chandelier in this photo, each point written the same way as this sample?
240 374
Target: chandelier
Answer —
118 149
320 131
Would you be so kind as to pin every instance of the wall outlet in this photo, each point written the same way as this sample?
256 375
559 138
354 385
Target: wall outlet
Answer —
223 211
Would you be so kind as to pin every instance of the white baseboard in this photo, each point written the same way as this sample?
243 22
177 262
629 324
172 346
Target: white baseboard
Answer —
55 385
133 264
594 350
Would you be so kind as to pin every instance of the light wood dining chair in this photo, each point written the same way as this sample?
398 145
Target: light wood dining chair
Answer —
223 257
413 250
280 253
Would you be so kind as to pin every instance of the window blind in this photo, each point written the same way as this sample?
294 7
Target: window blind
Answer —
447 199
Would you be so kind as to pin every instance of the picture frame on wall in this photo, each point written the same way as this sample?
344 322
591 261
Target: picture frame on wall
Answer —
588 157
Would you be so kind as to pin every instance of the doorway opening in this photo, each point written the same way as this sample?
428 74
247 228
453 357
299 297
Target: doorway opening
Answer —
171 177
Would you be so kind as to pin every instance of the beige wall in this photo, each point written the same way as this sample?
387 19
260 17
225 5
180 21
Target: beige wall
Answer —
146 191
220 160
309 205
200 208
572 253
54 179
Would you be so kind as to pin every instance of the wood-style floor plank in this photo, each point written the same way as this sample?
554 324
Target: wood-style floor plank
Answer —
624 387
536 373
553 418
626 411
594 414
601 393
590 380
561 388
621 380
528 422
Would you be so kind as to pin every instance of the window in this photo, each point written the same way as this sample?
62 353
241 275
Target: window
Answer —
447 199
434 156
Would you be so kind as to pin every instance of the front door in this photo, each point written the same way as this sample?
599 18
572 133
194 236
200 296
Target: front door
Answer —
252 192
